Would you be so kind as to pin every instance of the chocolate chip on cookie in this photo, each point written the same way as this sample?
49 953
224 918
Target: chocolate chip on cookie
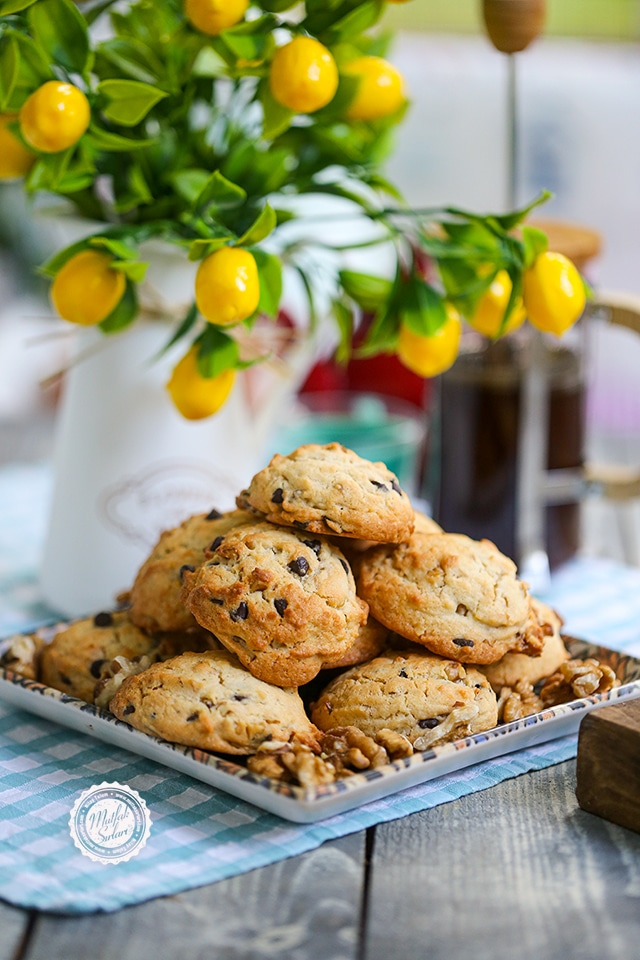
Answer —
284 604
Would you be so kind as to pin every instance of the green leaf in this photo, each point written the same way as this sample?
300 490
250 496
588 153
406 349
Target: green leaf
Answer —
209 63
476 234
443 249
270 277
129 100
535 242
220 192
182 330
34 68
118 248
284 216
9 64
382 335
188 183
510 220
59 28
134 270
276 118
368 291
306 283
262 226
124 314
422 308
252 47
113 142
344 319
200 249
14 6
49 170
217 352
363 16
137 193
131 58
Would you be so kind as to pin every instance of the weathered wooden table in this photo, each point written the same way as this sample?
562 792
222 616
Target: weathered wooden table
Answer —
515 871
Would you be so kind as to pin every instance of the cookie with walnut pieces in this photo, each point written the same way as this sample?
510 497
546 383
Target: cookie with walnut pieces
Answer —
425 698
81 654
331 490
209 701
72 661
154 599
282 600
456 596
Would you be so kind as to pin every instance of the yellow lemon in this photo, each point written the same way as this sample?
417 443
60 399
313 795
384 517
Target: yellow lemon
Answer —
227 286
429 356
193 395
214 16
87 289
553 293
489 312
54 117
380 90
15 159
303 75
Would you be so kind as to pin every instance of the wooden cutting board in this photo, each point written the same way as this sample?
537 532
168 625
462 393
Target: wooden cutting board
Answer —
608 766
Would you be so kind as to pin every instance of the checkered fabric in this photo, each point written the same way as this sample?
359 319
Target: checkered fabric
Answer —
198 834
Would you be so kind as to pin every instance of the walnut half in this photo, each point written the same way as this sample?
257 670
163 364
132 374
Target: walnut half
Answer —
578 678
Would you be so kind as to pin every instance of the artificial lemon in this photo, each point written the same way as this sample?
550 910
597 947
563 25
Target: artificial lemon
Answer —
430 355
54 117
87 288
303 75
214 16
227 286
15 159
489 312
380 91
193 395
553 293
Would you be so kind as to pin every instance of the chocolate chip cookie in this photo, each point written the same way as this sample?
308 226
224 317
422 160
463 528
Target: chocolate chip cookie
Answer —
155 603
209 701
281 599
425 698
456 596
331 490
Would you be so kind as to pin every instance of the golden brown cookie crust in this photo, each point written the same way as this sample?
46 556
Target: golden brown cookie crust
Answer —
371 640
425 698
514 668
154 598
331 490
456 596
209 701
282 600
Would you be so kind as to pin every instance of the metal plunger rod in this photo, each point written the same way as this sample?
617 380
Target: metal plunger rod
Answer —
511 26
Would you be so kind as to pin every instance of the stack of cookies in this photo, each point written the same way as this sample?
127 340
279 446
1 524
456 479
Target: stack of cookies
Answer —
322 627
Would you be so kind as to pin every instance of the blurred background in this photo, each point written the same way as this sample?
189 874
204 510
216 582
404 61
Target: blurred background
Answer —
578 123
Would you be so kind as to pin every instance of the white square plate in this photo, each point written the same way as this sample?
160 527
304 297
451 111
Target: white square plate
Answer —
310 805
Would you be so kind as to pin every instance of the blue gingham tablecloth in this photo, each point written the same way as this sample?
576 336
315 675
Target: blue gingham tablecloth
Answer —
198 834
